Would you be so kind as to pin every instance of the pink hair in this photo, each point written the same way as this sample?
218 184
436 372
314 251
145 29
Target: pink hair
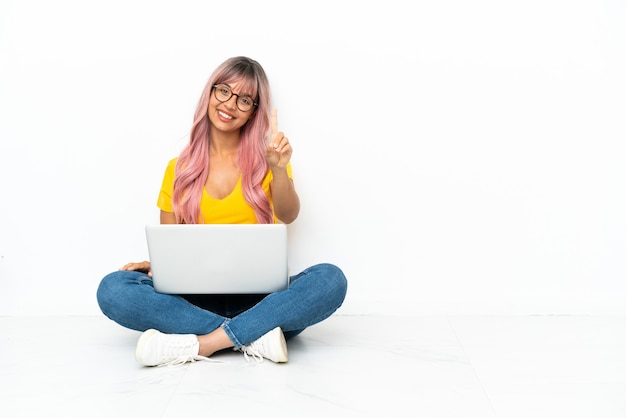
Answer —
192 167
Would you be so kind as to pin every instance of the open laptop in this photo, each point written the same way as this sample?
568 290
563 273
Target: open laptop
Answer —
218 258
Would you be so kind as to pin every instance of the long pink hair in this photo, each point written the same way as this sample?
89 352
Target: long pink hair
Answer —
192 168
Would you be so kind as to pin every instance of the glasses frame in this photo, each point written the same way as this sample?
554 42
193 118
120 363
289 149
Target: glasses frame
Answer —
215 86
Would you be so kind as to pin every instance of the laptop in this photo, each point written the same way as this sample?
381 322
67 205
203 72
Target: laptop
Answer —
218 258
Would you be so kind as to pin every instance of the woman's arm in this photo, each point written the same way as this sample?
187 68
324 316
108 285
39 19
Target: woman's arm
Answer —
284 196
278 153
168 217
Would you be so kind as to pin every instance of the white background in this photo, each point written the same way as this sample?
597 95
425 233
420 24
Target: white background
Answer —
451 156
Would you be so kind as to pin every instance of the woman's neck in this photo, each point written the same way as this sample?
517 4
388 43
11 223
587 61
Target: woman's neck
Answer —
224 144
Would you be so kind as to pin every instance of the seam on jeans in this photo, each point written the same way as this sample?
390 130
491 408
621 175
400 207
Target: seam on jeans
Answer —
229 333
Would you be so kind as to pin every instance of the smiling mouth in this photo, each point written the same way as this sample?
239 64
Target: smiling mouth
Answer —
224 115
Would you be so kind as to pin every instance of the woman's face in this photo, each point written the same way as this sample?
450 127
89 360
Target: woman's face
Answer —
225 113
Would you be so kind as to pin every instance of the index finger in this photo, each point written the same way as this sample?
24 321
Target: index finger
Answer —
274 121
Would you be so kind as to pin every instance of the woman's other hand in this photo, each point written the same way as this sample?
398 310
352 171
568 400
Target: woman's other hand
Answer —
143 267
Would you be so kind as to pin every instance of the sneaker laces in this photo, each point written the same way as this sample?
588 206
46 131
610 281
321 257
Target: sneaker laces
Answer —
186 358
180 353
253 351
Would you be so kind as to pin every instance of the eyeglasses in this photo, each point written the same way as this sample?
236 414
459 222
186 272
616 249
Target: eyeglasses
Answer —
223 93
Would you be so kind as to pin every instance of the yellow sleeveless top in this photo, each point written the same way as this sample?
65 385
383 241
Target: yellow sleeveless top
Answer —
233 209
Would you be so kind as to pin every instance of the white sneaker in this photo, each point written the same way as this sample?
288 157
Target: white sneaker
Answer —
271 346
155 348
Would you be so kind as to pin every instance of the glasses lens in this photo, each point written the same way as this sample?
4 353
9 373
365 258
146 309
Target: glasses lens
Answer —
245 103
222 92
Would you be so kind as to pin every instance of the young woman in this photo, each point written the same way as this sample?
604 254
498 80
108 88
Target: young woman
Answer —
235 169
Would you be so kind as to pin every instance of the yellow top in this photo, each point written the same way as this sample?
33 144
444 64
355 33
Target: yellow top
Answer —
233 209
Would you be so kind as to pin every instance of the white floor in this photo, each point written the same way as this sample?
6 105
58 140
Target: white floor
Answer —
347 366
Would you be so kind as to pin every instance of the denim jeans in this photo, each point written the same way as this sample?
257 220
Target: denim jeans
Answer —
128 298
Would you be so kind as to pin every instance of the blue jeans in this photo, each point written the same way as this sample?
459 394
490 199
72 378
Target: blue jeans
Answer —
128 298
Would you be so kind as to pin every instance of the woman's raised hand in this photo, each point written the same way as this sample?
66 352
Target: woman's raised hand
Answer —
278 151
